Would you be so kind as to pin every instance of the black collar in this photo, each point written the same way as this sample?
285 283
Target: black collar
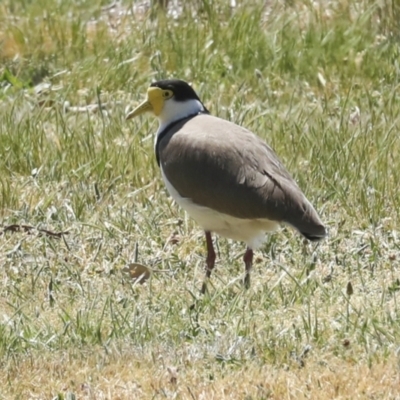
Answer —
170 126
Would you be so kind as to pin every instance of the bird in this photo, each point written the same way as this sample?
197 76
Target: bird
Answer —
224 176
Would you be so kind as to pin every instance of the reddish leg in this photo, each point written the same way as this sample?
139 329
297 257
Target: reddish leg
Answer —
248 262
210 260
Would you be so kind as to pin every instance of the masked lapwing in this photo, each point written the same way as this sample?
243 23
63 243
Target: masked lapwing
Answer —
226 178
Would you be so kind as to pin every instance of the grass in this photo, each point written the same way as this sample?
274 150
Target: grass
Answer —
319 81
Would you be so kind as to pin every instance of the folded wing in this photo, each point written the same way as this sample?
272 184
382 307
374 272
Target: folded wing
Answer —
225 167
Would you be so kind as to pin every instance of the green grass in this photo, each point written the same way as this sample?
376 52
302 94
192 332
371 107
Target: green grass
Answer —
73 324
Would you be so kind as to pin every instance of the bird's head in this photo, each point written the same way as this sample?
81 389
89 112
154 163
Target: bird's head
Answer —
169 100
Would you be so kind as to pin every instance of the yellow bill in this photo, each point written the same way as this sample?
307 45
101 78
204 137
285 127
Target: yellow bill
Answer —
153 103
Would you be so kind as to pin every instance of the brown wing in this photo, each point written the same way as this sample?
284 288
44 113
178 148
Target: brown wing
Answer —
223 166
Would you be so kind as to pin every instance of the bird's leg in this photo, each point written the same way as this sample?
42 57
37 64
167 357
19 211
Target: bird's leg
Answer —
210 260
248 262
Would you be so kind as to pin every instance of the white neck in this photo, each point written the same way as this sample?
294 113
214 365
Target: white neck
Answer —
175 110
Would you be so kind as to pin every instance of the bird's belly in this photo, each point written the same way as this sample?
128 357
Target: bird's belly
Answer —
250 231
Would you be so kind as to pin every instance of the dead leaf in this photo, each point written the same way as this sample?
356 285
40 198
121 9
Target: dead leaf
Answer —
137 272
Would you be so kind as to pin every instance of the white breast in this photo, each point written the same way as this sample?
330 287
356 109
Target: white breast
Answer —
250 231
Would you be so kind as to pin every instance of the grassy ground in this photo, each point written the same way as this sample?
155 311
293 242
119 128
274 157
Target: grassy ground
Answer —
319 81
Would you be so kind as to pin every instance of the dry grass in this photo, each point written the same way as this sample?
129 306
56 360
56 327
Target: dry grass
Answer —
152 374
318 81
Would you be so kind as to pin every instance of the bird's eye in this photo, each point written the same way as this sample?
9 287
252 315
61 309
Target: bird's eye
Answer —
168 94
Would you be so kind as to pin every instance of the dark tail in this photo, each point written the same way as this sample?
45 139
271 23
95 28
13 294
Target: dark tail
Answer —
318 234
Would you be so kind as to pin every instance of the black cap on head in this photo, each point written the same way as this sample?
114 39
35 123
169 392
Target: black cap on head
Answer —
181 89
